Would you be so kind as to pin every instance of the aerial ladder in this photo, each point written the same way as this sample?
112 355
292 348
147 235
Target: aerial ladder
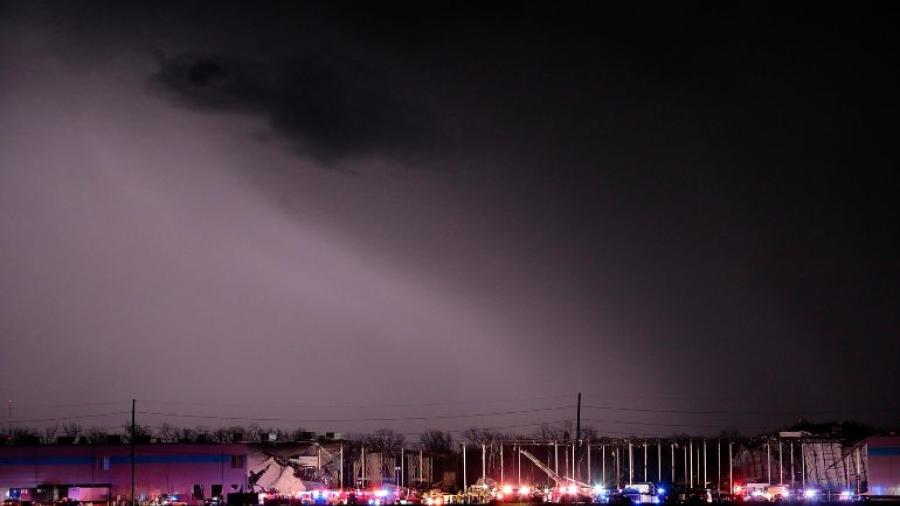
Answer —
560 481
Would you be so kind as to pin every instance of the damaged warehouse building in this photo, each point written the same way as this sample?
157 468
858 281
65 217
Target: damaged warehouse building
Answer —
832 463
88 472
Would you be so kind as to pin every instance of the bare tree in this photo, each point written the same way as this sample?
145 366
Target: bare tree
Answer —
186 434
202 434
479 436
299 434
71 429
436 441
561 431
95 435
730 434
221 435
588 434
25 435
167 433
48 435
385 440
141 433
238 431
253 432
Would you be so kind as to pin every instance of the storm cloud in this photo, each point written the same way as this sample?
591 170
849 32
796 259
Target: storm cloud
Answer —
324 108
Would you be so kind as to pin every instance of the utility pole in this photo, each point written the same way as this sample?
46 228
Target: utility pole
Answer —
363 467
402 467
483 462
133 437
421 467
341 469
577 437
578 420
768 463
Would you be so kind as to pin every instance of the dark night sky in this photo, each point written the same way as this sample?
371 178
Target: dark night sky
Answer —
675 208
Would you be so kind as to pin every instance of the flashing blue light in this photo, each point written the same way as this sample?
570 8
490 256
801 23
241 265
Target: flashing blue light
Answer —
661 491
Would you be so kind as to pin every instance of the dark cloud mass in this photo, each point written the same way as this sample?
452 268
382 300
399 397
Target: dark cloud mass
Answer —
677 207
329 111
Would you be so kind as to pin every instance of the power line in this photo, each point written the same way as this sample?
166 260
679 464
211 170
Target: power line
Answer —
613 421
354 406
74 417
691 425
500 427
72 405
609 407
359 419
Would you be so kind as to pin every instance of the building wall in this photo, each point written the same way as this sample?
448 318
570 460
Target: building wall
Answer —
160 468
883 465
834 466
